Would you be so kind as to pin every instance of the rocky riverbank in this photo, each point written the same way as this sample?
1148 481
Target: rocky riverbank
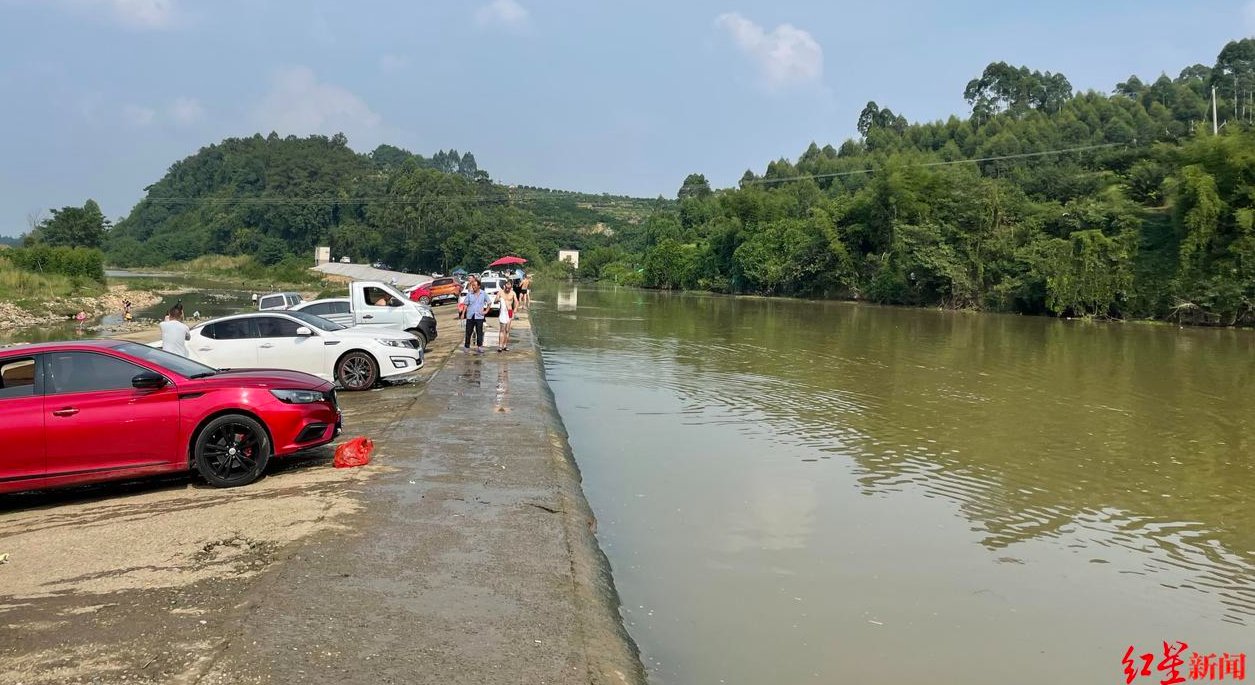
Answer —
59 309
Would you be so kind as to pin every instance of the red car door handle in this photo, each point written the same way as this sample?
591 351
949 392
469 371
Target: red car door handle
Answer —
68 411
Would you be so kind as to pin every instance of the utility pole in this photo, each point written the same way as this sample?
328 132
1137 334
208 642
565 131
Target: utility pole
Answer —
1215 127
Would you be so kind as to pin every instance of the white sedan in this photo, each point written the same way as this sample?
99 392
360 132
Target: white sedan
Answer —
356 358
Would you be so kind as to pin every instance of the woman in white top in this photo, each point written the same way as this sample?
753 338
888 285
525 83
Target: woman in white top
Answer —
505 315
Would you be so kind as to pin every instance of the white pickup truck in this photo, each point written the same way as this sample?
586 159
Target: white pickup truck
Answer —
374 303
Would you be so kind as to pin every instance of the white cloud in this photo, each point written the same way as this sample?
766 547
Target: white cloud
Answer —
152 14
138 115
786 56
299 104
138 14
393 63
185 111
502 13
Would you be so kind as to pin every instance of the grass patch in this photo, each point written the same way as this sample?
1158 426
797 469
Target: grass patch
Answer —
27 288
249 273
151 285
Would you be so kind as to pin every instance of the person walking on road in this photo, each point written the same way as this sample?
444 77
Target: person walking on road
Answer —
175 333
525 288
505 315
476 309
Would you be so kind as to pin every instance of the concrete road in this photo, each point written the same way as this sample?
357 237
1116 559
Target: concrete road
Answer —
463 553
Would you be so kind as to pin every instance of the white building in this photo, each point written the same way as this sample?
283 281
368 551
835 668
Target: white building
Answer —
322 255
572 256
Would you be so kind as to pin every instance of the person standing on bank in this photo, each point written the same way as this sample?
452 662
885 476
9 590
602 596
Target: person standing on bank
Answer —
505 315
175 333
476 309
525 288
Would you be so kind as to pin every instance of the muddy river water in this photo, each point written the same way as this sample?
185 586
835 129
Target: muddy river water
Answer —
820 492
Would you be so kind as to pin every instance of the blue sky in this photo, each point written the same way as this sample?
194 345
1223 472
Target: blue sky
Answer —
101 96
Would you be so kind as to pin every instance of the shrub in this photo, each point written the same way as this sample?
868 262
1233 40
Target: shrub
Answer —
80 262
17 284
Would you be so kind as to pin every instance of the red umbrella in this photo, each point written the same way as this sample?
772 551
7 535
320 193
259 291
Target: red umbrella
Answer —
508 260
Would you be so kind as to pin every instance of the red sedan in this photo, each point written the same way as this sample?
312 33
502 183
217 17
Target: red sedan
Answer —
82 412
420 294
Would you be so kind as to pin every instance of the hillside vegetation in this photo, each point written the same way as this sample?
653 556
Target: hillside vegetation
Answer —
1042 200
277 198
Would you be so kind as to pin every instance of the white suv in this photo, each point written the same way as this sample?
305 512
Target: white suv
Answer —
277 301
492 287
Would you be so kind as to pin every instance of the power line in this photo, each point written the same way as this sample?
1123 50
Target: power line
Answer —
502 199
1024 155
505 197
325 200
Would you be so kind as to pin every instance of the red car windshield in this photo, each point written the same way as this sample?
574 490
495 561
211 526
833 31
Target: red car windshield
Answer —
181 365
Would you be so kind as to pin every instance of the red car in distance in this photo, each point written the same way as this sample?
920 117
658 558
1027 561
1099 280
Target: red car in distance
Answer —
443 289
82 412
420 294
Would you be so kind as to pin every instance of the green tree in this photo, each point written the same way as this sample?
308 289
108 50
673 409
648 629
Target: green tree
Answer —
84 226
271 251
695 186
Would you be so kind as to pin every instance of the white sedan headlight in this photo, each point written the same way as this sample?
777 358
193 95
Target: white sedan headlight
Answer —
393 343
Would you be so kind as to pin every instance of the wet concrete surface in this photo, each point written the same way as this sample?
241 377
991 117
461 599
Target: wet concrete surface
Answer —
463 554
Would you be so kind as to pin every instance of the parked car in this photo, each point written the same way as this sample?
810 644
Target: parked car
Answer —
98 410
492 286
356 358
444 289
274 301
420 293
376 304
346 260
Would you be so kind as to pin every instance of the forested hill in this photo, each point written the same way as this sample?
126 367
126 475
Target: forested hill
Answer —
1042 200
278 197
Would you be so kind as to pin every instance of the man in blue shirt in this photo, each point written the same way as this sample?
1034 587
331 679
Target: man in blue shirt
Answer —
476 310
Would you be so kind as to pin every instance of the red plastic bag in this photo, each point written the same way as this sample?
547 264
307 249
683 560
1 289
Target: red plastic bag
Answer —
355 452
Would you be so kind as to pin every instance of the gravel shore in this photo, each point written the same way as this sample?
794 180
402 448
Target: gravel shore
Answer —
62 308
